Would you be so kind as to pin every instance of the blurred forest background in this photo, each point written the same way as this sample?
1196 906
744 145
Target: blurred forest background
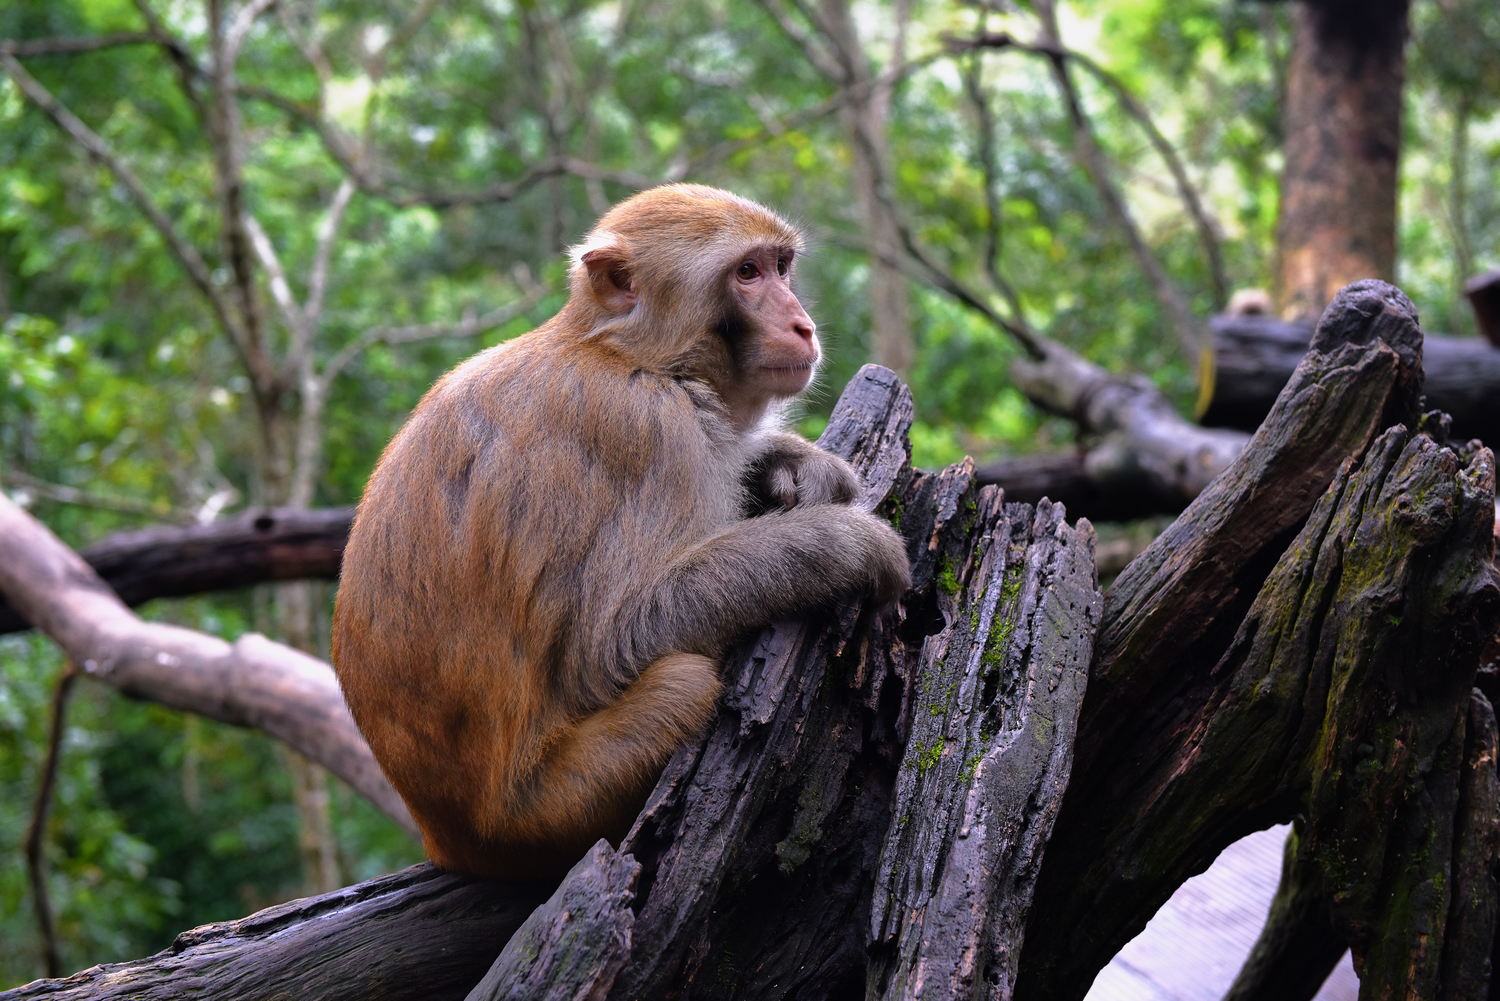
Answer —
238 242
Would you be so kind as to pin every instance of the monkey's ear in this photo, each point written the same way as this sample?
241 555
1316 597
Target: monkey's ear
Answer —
609 277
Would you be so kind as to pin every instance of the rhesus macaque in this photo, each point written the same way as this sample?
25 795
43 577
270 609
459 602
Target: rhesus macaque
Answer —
553 554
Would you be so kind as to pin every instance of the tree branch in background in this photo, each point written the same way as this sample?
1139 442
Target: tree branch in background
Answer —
994 232
1092 158
187 255
252 682
225 136
1207 231
36 834
88 498
69 46
466 327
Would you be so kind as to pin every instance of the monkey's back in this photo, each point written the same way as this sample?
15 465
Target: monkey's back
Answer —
499 539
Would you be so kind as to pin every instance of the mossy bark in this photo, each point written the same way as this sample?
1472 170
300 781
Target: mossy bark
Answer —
1338 694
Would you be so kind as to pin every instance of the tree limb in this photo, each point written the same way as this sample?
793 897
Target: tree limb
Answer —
467 327
187 255
36 833
86 498
1207 232
252 682
70 46
1092 158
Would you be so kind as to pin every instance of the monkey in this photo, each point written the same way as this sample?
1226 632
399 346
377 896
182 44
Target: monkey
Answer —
554 553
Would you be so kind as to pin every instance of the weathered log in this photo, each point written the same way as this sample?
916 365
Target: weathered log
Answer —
251 682
573 946
417 935
1194 735
1064 478
1255 356
256 546
763 845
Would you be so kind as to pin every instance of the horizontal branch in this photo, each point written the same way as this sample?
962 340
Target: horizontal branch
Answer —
83 498
252 682
1254 356
69 46
416 935
170 561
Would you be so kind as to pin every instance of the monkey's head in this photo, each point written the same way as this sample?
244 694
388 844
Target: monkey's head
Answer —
696 281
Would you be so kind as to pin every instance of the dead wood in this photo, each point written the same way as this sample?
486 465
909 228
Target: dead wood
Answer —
417 935
835 831
869 811
1255 356
1334 695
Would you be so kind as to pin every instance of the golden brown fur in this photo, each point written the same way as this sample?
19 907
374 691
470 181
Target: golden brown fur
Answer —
552 555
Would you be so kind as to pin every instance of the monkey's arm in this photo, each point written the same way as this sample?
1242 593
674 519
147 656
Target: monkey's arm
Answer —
757 571
789 471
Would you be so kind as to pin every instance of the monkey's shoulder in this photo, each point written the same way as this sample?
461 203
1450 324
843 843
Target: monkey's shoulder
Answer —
543 404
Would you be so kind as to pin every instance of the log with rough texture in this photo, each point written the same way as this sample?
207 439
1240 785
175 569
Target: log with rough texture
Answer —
1256 355
1372 620
1064 478
572 947
253 547
417 935
761 845
1193 735
987 758
251 682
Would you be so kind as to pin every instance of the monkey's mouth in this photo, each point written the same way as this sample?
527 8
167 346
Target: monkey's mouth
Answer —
805 366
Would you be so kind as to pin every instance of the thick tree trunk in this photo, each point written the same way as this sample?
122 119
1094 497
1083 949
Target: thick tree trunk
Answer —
1342 125
1255 356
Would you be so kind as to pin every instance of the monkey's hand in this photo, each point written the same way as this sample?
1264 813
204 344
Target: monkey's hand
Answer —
793 472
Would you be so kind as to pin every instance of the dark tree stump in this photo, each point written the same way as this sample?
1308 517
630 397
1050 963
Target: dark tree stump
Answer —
755 867
1336 694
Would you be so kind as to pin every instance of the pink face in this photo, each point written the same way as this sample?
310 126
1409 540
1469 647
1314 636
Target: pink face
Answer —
780 363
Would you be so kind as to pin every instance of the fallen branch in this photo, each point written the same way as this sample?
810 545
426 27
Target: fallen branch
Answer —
1255 356
1144 447
252 682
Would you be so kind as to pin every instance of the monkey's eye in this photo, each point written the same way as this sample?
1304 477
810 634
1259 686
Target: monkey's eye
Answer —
781 266
748 271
